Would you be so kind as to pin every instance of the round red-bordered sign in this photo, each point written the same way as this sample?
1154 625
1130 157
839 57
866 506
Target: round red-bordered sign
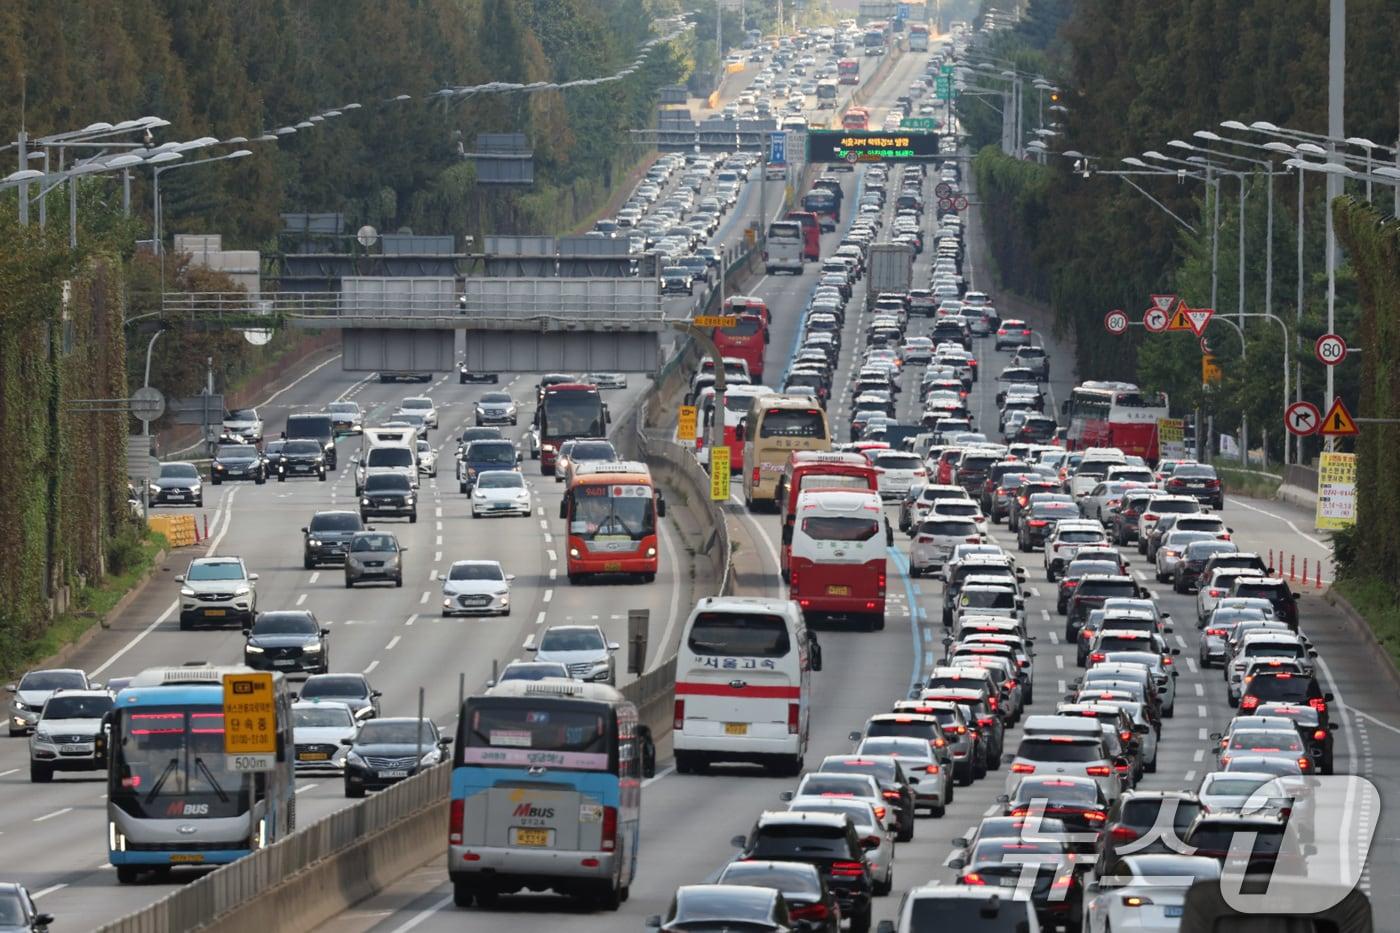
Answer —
1155 320
1115 322
1330 349
1302 418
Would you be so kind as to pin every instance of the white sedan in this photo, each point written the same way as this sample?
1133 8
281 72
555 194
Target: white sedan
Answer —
477 587
427 459
1146 892
500 492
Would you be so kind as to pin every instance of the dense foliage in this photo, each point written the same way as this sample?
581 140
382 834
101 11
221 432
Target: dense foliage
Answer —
1135 76
242 67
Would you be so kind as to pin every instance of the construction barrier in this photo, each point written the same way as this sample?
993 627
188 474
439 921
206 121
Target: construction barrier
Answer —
179 530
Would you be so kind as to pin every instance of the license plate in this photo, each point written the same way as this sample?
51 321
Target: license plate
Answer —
1172 910
500 505
313 756
192 858
1010 881
393 774
213 612
838 591
73 749
175 495
736 728
531 837
284 662
612 565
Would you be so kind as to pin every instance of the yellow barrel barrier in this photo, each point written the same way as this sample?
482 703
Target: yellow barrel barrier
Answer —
179 530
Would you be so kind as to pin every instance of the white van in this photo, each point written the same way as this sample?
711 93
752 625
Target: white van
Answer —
743 684
783 250
1093 468
387 455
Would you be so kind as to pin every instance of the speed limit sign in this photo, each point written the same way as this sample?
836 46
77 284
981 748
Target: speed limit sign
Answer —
1330 349
1115 322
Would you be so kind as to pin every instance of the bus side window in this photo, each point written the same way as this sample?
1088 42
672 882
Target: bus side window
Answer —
741 430
564 506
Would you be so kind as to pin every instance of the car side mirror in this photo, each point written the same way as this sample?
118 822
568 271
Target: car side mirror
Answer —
814 652
1003 798
252 578
347 741
853 736
1168 628
1294 595
510 577
613 646
960 842
248 630
1327 697
1200 623
445 741
375 694
179 578
43 920
660 506
519 457
305 530
564 508
956 863
885 926
531 647
1142 729
10 688
325 631
1331 727
654 922
1008 758
1176 652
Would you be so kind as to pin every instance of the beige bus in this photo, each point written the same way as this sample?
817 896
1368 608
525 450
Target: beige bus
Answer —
775 426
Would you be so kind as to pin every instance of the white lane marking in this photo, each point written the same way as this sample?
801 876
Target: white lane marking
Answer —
993 810
1318 541
49 816
432 575
544 524
1140 575
439 526
658 776
1202 733
437 557
370 669
1199 754
1054 637
438 542
553 573
302 787
423 601
1190 776
548 538
1035 591
422 915
9 772
548 595
316 575
411 619
539 619
392 642
438 512
1045 615
1366 716
1191 665
1202 712
1059 662
1200 690
301 599
552 555
49 890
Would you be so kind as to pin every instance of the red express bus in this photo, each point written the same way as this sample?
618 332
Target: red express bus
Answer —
811 234
1114 414
746 340
568 411
848 71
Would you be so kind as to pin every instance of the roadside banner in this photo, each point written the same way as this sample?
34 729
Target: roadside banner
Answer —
1171 439
1336 491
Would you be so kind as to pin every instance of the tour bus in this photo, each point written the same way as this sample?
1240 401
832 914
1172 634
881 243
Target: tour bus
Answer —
827 90
825 205
610 511
173 797
743 681
856 118
748 304
875 37
848 71
746 340
546 792
840 539
784 248
775 426
813 469
918 37
1114 414
737 399
811 233
567 411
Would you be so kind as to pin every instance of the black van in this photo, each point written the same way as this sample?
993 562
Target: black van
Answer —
318 427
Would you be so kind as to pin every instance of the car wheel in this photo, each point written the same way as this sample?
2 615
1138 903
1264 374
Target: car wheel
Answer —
40 774
475 513
281 477
349 583
307 562
398 581
321 476
215 481
260 480
413 517
462 894
126 874
351 791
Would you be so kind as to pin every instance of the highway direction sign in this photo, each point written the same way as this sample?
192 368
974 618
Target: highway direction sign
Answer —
1302 418
1330 349
1338 421
1155 320
918 123
777 148
1115 322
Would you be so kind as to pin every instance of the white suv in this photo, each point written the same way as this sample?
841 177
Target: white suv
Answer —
421 405
66 737
217 589
1067 538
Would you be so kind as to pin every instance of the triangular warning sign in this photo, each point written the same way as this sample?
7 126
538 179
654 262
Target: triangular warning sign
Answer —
1179 320
1198 317
1338 421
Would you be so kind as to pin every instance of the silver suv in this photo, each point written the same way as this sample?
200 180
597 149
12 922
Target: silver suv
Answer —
583 649
218 590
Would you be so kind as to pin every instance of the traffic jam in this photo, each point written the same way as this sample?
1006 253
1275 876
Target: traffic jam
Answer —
1075 506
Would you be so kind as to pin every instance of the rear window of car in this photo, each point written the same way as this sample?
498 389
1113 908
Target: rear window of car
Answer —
977 462
780 842
1143 813
948 528
1279 687
1107 588
1055 749
1270 591
940 914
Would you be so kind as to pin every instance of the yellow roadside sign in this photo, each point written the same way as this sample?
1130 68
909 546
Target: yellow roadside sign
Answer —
719 473
714 320
685 423
250 714
1209 371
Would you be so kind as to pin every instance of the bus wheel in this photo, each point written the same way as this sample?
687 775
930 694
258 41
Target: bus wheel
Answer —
462 894
648 578
574 579
126 874
877 622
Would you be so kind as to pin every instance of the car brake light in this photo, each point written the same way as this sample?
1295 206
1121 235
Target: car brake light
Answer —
1063 881
1149 516
454 821
609 828
974 540
1166 659
890 794
1121 769
961 730
1098 771
1096 656
973 878
879 812
1317 703
847 869
817 911
756 476
1123 833
1216 592
1001 332
1248 702
1022 768
931 769
1217 632
1304 763
679 719
1124 735
1038 523
1212 483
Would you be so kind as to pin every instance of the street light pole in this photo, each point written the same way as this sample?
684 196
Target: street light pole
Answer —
146 424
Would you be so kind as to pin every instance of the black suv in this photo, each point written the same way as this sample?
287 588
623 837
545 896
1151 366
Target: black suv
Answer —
1090 594
1188 574
328 536
388 494
1313 728
1123 518
1198 480
292 642
237 461
826 840
302 458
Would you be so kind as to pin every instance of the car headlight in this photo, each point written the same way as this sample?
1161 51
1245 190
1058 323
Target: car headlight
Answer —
314 542
354 759
431 758
408 500
314 648
252 649
154 489
479 494
242 590
651 552
186 592
364 502
364 711
218 466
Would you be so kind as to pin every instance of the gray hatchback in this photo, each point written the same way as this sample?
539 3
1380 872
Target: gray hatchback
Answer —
374 555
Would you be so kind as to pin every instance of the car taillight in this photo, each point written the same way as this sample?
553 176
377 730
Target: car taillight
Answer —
1095 816
609 829
1166 659
890 794
756 475
1149 517
1216 592
1096 656
455 819
1098 771
925 539
880 813
1038 523
1125 735
1122 768
1068 583
1063 881
1217 632
972 878
679 720
1212 483
973 540
1022 768
1304 763
1318 704
1176 483
1001 332
1320 734
1123 833
880 582
847 869
961 730
931 769
794 711
1249 702
818 911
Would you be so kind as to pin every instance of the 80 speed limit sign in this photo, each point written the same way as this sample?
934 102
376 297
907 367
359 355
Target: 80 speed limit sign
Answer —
1330 349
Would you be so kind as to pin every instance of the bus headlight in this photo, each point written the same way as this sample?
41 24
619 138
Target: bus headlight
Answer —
116 841
573 552
651 552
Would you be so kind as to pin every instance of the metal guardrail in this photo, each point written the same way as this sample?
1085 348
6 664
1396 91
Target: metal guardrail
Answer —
335 305
221 890
1304 477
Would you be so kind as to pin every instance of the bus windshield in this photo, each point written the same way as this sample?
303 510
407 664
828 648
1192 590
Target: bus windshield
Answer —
170 763
572 414
602 512
536 731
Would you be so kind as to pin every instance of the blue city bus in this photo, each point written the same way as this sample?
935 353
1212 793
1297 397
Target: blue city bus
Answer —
172 800
547 793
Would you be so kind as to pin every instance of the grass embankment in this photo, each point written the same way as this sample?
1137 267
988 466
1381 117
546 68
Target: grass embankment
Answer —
1378 603
1243 483
135 556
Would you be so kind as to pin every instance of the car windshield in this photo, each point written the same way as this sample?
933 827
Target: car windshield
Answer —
594 450
572 639
242 414
496 398
396 732
285 623
374 543
335 521
301 448
74 707
501 480
790 878
389 457
345 408
387 482
1059 789
1231 785
221 570
491 452
939 914
53 680
237 452
786 842
178 471
737 634
335 686
323 717
840 528
476 572
420 404
1057 748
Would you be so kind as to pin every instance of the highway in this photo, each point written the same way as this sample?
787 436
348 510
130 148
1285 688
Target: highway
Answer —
52 837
